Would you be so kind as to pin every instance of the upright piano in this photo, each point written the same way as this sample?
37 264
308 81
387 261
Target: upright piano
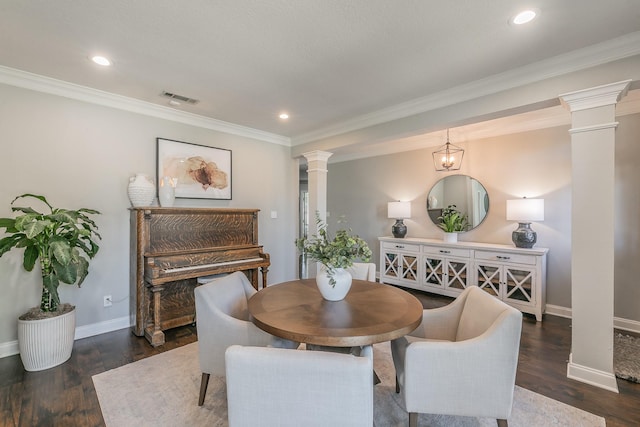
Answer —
172 247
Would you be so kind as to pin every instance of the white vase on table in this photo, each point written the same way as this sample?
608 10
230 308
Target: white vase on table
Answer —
337 291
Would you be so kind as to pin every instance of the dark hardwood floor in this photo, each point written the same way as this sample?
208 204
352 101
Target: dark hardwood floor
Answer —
64 396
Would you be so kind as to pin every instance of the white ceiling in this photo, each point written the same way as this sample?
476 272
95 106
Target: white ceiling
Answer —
326 62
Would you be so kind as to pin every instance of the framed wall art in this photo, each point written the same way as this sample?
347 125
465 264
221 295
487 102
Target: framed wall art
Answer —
200 172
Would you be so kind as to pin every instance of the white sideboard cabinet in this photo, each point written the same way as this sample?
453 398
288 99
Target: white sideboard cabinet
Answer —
516 276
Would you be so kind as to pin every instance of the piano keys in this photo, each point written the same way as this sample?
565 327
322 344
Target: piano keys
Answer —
172 247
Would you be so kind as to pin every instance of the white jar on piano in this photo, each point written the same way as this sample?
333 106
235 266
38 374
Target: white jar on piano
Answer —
141 190
167 191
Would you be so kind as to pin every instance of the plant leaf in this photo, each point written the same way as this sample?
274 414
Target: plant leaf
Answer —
41 198
60 249
82 267
8 223
32 229
65 216
7 243
30 257
65 273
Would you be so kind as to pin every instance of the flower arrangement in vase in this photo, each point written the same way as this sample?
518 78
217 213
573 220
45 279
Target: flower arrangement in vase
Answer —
334 253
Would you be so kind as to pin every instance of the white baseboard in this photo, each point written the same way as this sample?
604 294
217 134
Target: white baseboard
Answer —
594 377
102 327
556 310
618 322
10 348
626 324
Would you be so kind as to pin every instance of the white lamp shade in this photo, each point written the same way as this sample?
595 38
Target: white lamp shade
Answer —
525 210
399 210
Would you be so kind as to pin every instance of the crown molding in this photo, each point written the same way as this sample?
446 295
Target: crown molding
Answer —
525 122
38 83
596 97
598 54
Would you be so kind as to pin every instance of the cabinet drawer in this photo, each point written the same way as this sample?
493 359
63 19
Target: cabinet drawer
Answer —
403 247
506 257
444 251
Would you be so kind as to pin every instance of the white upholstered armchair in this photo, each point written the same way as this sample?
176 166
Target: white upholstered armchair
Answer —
222 319
279 387
461 360
363 271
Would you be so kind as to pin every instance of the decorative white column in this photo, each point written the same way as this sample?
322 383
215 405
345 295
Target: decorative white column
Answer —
592 232
317 176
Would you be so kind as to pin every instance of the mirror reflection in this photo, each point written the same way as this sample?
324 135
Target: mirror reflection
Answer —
466 193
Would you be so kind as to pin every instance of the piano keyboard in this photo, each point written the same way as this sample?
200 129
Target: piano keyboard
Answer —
206 266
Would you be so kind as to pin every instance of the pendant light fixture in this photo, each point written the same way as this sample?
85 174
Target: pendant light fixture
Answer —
448 157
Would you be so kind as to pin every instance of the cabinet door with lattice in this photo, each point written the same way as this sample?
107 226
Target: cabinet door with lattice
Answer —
400 263
434 276
489 278
519 285
409 267
456 274
391 265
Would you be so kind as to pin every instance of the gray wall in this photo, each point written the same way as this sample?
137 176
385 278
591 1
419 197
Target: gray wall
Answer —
81 155
533 164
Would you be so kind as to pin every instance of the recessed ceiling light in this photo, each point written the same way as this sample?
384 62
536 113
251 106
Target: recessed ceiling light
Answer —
524 17
101 60
284 116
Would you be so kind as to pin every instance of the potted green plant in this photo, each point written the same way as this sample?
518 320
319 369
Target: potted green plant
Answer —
452 221
335 254
63 240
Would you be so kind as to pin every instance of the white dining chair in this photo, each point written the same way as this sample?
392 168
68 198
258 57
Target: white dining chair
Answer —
281 387
363 271
223 320
461 360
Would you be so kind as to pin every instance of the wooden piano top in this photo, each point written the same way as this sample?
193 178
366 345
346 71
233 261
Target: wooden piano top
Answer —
184 210
178 229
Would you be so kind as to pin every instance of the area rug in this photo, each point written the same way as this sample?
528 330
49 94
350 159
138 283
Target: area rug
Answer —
163 391
626 357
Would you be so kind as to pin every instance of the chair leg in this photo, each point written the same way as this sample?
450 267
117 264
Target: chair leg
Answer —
397 385
502 423
413 419
204 382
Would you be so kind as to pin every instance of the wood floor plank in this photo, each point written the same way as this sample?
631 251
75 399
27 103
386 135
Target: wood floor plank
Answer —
65 396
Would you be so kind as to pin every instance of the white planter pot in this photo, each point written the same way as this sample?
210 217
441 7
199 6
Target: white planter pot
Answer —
450 237
338 291
46 343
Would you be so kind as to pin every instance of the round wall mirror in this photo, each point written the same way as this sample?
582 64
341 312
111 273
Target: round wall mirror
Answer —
467 194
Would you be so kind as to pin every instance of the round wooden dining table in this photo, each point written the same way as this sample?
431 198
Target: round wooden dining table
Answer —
370 313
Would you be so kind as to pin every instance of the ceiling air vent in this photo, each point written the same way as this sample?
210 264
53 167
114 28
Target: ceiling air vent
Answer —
180 98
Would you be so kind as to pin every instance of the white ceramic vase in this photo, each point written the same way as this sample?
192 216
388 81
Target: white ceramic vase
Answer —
335 292
167 191
46 343
141 190
450 237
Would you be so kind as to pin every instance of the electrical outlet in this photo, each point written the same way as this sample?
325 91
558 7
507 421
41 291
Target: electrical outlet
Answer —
107 301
